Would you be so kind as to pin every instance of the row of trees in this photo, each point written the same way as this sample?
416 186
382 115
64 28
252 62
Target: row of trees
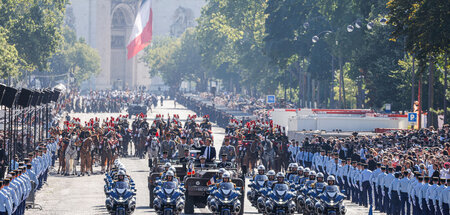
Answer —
35 40
315 53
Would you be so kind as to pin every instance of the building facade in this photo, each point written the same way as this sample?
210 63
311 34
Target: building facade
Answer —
107 24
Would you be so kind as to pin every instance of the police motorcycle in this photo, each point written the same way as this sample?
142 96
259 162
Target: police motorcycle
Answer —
280 201
257 185
169 197
302 193
312 196
121 198
264 192
225 199
331 201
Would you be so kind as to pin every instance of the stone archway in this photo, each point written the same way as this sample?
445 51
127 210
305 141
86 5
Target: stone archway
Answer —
121 75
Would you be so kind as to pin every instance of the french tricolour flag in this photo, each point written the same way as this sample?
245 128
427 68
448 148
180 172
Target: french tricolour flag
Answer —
142 30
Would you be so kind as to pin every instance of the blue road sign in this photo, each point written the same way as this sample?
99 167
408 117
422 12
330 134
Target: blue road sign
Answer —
271 99
412 117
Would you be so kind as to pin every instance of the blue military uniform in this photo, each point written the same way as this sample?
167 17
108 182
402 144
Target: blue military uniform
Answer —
366 188
5 201
386 183
394 195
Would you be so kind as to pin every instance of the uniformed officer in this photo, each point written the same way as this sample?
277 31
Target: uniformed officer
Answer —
357 179
438 193
12 193
423 196
351 183
394 194
224 162
165 157
431 195
5 201
444 200
387 182
228 149
346 173
415 195
340 174
379 182
168 145
404 195
373 184
365 186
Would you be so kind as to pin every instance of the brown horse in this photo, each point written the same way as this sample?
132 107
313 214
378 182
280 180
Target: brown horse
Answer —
85 156
61 156
108 154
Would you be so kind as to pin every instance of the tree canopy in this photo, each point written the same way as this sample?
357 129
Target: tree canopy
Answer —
325 53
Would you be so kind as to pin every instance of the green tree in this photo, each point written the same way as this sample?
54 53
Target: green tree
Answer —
9 57
34 28
75 58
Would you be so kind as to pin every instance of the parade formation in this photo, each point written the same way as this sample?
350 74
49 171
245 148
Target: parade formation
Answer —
224 107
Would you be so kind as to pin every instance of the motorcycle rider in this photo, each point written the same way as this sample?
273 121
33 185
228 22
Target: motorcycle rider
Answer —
299 176
170 176
121 176
305 176
261 170
167 165
331 181
311 180
226 177
271 178
320 184
280 179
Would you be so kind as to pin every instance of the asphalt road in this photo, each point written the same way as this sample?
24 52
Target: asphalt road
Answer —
67 195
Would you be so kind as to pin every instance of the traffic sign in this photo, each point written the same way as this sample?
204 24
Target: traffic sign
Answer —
412 117
271 99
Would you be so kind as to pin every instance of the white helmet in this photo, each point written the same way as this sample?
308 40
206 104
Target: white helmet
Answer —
280 175
312 173
167 165
222 170
172 169
226 174
271 173
307 170
320 175
170 173
331 178
261 168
